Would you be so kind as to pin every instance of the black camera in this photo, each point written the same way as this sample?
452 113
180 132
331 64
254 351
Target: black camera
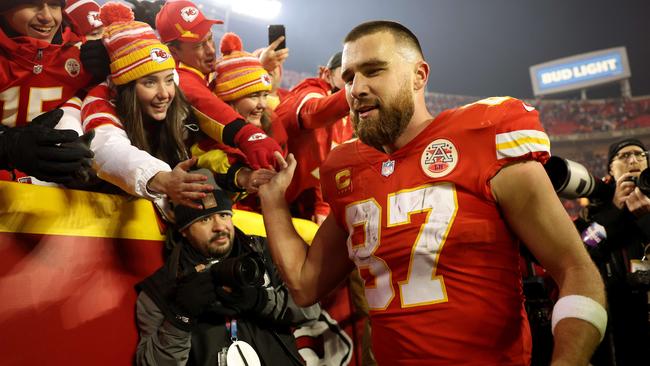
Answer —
643 181
245 270
572 180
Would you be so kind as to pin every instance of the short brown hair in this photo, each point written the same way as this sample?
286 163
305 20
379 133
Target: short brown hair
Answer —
400 32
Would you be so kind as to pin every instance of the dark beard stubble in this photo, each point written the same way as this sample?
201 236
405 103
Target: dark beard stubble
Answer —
390 123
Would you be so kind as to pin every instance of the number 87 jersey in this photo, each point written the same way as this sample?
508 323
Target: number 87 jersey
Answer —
439 263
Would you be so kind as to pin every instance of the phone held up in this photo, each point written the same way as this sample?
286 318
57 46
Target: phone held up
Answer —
275 31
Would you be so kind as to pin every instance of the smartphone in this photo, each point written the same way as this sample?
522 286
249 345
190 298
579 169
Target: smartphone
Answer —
275 31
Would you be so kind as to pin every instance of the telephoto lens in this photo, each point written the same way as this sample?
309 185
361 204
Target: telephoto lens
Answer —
571 180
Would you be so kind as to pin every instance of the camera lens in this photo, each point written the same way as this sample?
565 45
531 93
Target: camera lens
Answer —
643 182
248 272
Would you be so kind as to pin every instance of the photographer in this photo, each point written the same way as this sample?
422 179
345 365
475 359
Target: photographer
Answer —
616 230
217 297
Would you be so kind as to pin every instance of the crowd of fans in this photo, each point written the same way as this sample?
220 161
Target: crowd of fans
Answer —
576 117
566 117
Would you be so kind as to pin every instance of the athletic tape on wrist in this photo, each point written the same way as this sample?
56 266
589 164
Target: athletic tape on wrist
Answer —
581 307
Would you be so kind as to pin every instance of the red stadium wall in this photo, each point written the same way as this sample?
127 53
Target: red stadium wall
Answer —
70 300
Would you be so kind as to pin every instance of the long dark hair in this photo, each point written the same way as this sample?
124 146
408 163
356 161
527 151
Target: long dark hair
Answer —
162 139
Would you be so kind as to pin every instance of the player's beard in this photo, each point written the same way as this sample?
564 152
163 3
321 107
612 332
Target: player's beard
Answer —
390 122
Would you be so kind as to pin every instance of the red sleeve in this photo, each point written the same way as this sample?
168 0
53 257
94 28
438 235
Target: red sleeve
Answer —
308 102
287 112
278 132
212 113
342 131
322 112
519 135
282 93
320 206
98 110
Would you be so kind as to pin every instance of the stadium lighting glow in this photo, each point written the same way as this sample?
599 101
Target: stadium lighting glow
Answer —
263 9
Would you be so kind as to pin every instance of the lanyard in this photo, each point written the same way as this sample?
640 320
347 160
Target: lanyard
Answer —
231 325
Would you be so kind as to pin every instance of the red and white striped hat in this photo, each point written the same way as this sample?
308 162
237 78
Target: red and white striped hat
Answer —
132 46
239 73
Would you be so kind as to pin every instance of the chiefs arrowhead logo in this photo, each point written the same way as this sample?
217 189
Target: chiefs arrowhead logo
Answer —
189 13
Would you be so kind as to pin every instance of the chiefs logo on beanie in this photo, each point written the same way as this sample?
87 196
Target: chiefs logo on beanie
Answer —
239 73
132 46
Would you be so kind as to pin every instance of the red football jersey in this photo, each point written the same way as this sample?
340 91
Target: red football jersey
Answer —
439 262
37 76
311 145
307 145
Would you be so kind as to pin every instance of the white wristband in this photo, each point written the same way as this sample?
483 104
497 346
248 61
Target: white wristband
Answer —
581 307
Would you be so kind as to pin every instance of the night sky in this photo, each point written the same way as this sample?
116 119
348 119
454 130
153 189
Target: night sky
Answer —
474 47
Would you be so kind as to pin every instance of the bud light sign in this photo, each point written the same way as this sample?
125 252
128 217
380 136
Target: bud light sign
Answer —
580 71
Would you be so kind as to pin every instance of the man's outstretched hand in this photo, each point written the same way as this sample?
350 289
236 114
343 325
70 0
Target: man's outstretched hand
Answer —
277 185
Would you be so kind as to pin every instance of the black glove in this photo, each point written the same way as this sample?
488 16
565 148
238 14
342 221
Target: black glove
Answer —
194 293
95 60
86 174
38 149
146 11
247 299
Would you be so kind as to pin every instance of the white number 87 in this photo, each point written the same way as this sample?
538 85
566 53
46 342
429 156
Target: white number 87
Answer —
422 285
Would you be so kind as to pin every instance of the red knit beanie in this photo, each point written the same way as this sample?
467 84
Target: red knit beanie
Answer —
83 16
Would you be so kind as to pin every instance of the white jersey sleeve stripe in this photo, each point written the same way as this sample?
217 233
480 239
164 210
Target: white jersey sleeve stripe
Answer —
108 116
517 143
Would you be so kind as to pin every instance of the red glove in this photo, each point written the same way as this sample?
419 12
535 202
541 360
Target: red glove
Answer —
257 146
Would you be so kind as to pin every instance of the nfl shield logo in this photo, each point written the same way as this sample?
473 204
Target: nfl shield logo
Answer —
387 168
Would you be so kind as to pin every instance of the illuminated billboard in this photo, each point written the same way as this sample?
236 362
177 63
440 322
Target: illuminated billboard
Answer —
580 71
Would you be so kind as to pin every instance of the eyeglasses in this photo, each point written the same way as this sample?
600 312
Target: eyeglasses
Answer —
638 155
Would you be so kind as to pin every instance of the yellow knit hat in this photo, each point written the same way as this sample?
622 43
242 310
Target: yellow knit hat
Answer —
239 73
132 46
